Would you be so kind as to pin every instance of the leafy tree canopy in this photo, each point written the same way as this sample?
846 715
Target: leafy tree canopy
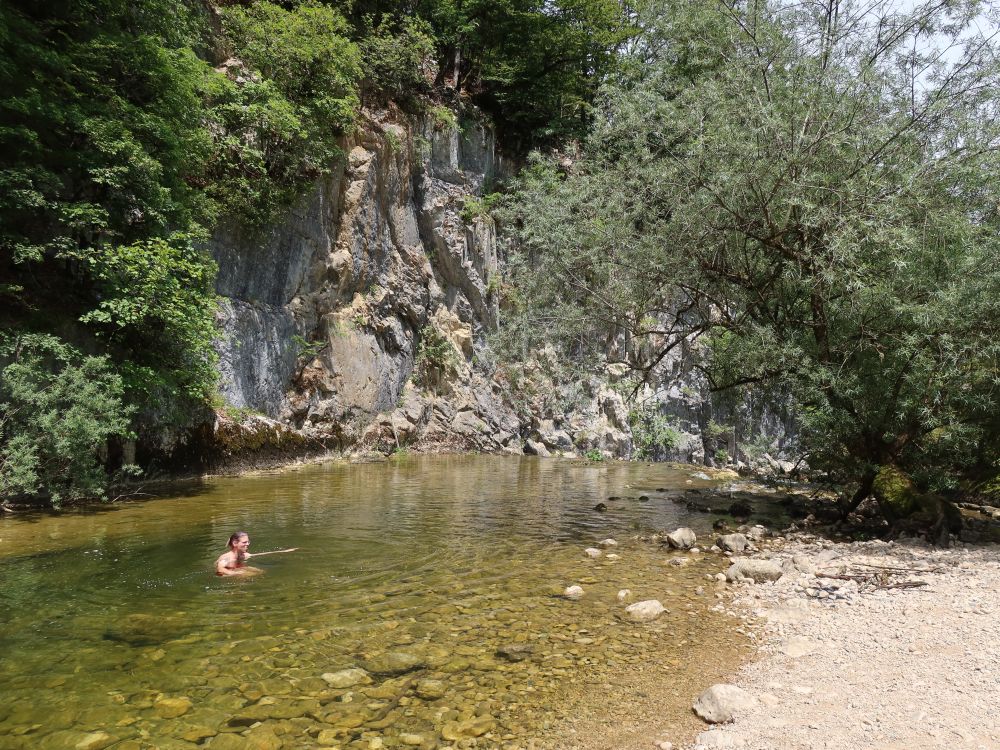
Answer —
807 190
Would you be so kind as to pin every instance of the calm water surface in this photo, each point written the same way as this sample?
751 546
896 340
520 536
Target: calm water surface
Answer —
435 575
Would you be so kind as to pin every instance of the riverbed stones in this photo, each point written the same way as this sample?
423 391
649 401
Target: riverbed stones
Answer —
430 690
645 611
573 592
453 731
592 552
346 678
734 543
721 702
624 595
94 741
682 538
758 571
171 708
606 543
228 741
393 663
514 651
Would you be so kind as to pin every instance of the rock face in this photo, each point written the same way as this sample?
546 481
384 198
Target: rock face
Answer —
359 321
720 703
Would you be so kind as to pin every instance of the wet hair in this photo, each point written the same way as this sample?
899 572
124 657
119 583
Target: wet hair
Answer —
235 537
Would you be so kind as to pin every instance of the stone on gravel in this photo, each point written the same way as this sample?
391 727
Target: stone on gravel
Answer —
735 543
759 571
171 708
346 678
716 739
394 663
720 703
592 552
645 611
573 592
682 538
624 595
797 645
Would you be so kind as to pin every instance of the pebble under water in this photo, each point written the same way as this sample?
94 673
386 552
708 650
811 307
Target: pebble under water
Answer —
423 609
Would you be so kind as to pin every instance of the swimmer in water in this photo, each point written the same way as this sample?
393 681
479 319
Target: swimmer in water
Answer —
232 562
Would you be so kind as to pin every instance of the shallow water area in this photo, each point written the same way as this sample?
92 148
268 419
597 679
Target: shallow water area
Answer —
422 609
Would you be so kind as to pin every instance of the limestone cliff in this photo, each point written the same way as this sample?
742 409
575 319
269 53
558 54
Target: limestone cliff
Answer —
323 316
359 321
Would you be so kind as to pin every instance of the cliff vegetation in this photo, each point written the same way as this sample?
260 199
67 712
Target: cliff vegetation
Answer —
130 130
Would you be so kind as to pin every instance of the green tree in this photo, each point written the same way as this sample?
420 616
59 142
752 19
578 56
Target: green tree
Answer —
805 189
534 66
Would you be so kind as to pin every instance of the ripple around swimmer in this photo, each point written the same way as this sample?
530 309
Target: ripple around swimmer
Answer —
447 559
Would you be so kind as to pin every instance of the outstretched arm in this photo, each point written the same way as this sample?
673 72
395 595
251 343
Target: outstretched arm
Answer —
272 552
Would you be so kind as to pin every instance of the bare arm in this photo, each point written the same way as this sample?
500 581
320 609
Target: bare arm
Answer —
222 565
272 552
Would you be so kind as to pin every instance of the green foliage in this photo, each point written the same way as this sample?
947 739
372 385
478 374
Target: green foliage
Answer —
444 118
278 130
653 434
57 408
435 358
393 54
474 207
156 299
305 349
803 188
594 454
716 430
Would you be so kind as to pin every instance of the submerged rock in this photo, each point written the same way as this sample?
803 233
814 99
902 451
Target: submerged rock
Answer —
460 730
573 592
394 663
645 611
346 678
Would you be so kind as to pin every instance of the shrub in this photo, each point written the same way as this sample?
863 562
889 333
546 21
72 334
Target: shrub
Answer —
57 408
435 359
393 56
653 434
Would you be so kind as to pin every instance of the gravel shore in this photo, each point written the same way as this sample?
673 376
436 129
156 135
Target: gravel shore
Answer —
896 647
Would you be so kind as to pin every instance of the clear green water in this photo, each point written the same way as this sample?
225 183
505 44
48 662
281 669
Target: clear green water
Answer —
114 631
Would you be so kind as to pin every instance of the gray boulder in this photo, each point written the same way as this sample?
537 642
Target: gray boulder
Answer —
682 538
758 571
533 448
721 702
735 543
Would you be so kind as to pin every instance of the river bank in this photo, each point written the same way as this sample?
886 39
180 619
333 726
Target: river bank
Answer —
858 646
869 645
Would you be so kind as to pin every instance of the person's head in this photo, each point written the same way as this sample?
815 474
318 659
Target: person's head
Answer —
239 541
